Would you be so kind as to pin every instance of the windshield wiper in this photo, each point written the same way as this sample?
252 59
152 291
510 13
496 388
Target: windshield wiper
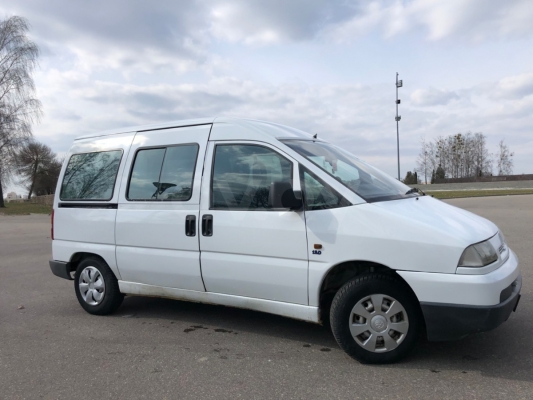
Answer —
414 190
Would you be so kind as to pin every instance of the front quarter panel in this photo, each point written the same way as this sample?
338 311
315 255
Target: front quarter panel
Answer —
388 236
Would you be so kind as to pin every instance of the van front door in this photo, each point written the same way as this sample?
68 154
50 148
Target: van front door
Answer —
157 218
247 248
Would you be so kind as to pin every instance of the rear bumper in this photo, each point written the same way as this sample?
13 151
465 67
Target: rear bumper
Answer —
61 269
453 321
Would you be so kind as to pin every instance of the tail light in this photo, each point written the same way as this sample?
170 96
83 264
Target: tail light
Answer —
52 228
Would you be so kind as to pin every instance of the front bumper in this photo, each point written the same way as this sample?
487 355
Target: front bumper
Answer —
453 321
474 290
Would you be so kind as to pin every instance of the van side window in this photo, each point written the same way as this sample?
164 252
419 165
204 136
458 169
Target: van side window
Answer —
242 175
144 179
91 176
178 173
317 194
163 174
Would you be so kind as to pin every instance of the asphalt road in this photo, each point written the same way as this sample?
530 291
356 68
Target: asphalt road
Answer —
156 349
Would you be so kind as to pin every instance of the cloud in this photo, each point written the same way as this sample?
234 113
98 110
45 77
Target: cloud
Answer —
75 105
359 117
135 36
473 20
432 97
514 87
125 35
257 22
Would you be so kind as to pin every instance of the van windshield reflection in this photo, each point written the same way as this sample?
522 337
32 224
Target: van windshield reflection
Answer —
364 180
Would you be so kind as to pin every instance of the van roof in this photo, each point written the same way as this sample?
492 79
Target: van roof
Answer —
260 127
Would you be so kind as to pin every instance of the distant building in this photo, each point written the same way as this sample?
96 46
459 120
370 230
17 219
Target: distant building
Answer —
12 196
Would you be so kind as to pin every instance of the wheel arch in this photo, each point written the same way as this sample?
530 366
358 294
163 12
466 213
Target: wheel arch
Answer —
345 271
79 256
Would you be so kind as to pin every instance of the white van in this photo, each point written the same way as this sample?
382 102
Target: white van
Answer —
261 216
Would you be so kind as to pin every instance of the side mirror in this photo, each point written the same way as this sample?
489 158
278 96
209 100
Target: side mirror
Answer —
282 196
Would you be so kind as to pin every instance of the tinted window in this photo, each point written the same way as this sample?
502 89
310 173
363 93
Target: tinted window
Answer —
164 174
91 176
317 195
242 175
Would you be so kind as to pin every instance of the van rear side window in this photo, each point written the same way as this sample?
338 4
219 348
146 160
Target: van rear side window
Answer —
91 176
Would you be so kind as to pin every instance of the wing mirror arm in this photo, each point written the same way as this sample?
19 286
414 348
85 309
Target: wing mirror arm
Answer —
298 204
283 197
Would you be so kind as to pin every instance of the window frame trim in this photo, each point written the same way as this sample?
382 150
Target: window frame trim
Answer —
239 143
126 194
114 182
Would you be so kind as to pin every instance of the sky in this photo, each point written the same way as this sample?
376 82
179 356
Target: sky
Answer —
323 66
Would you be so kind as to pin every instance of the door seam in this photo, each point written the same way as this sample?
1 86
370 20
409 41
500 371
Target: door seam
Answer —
200 209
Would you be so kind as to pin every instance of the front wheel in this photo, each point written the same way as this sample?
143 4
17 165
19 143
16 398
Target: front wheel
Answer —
97 287
375 318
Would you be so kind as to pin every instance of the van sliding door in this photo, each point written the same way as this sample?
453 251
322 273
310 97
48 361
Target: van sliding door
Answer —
157 218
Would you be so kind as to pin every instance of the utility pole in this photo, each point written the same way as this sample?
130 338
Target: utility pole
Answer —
399 84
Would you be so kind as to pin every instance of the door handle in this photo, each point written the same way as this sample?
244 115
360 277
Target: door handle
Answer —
190 225
207 225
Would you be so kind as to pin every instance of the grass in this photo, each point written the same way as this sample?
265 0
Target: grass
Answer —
454 194
25 209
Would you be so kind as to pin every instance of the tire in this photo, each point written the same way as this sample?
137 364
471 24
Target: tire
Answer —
372 307
97 287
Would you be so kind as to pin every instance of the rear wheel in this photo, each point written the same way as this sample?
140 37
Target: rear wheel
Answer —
97 287
375 318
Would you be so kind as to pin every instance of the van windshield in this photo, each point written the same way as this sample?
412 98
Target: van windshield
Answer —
366 181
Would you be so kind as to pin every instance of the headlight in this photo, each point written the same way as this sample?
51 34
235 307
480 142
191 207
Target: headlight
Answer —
478 255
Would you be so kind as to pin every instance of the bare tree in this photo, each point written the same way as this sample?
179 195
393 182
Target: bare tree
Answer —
6 174
19 109
467 164
455 156
424 160
47 177
504 159
456 144
33 161
432 157
482 159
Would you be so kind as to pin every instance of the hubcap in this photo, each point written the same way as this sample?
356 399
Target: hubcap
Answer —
92 286
378 323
